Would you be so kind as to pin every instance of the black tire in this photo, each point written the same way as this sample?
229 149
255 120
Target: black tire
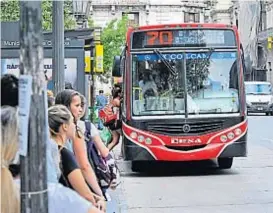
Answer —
225 163
268 114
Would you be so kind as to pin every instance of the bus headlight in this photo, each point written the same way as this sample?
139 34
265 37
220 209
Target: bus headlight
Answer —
230 135
223 138
238 131
148 141
133 135
140 138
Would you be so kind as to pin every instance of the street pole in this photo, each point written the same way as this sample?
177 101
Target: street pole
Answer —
33 166
58 46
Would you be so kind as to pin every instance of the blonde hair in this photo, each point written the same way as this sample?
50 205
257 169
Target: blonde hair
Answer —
50 93
10 200
57 116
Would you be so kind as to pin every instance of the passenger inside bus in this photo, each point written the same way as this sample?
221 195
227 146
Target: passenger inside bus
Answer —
147 84
211 85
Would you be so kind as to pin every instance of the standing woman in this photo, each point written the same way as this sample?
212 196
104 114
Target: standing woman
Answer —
116 127
72 100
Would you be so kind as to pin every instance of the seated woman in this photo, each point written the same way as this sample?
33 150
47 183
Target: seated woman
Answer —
60 198
62 128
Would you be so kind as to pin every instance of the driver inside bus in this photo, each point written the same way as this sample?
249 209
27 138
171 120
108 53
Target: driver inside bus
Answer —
148 85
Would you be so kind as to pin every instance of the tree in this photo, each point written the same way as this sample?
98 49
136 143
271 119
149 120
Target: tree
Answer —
10 12
113 39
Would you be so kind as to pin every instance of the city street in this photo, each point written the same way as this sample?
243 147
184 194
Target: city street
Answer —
201 188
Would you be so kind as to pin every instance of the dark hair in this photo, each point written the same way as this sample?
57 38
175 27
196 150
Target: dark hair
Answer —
57 116
117 85
116 93
68 85
9 90
84 107
65 97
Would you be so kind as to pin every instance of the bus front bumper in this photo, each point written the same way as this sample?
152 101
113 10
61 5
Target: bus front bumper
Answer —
133 152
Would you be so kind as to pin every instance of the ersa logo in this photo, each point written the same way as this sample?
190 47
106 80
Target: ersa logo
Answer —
186 141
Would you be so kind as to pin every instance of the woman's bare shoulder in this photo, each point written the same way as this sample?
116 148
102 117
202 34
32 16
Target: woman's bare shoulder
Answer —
116 102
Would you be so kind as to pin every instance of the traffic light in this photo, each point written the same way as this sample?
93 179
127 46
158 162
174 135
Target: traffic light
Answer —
269 42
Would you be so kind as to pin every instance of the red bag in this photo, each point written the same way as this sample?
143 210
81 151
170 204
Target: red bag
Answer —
107 115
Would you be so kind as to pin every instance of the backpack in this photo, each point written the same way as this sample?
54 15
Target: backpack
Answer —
105 168
107 115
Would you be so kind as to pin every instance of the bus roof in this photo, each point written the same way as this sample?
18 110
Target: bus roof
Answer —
185 25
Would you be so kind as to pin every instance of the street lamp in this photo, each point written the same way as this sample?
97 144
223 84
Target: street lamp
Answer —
81 9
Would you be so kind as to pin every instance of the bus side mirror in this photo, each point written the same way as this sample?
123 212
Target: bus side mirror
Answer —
116 72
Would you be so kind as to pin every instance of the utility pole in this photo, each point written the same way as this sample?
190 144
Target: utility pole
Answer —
58 46
33 166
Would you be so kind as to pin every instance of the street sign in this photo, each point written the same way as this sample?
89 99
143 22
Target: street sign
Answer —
99 58
87 60
269 42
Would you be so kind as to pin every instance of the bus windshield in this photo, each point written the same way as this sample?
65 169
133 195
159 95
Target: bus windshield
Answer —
211 83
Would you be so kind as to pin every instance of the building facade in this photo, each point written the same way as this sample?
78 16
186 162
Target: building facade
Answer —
268 32
148 12
221 11
254 20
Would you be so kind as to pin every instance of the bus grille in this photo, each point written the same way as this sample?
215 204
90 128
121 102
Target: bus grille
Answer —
186 148
260 103
196 128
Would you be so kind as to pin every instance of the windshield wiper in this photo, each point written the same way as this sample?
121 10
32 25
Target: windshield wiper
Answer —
167 64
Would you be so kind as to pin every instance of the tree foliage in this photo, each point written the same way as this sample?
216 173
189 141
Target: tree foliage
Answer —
10 11
113 39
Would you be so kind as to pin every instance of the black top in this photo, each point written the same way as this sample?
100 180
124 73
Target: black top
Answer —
67 165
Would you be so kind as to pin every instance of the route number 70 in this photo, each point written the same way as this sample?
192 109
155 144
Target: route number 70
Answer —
161 38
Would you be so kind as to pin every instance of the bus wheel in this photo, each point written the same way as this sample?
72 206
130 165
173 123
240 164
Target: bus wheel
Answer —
225 163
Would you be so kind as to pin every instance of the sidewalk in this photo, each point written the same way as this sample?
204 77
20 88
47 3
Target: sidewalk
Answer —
118 202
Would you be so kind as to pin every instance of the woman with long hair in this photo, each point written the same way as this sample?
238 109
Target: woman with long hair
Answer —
62 128
60 198
10 200
72 100
116 127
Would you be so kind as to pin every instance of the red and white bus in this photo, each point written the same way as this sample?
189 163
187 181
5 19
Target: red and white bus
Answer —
184 97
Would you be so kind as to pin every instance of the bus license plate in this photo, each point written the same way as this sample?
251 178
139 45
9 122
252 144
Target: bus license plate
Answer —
260 108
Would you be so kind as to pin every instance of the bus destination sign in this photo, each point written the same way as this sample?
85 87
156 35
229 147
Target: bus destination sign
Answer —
184 38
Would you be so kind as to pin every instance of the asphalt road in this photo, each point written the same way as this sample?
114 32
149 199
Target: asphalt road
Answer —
200 187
